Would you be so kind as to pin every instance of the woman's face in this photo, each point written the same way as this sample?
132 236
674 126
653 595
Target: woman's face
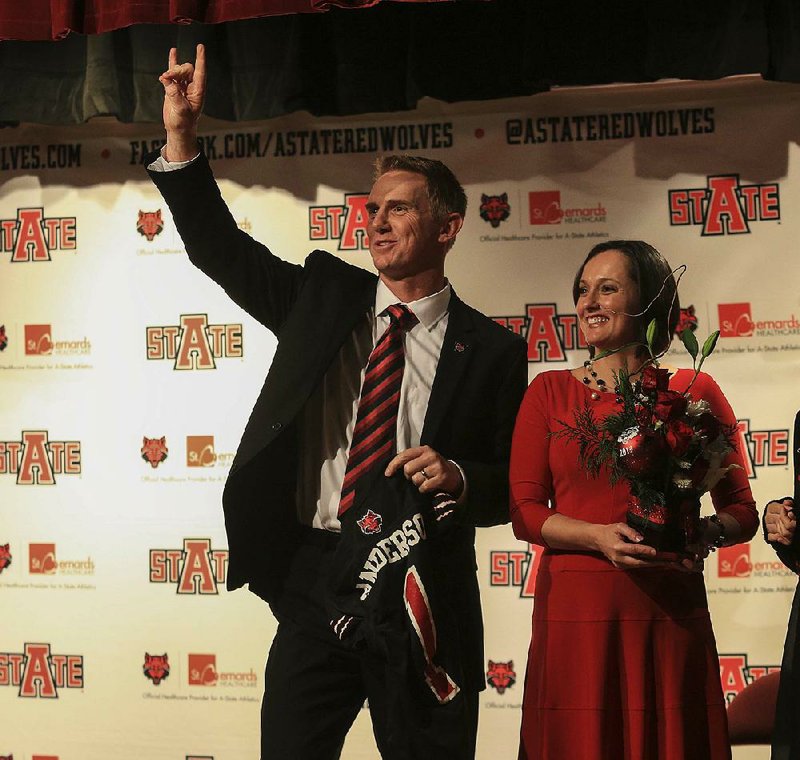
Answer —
606 295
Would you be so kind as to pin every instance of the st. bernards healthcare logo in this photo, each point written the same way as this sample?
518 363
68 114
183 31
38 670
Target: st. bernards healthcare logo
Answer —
39 342
545 207
203 672
38 672
36 460
194 343
345 223
735 562
42 561
736 321
200 452
724 206
195 569
32 236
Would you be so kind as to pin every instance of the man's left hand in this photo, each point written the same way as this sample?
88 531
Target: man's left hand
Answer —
428 470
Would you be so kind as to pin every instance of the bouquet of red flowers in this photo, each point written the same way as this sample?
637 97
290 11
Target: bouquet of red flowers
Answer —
668 446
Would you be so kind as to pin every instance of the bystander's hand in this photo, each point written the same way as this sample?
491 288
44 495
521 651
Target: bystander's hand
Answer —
780 521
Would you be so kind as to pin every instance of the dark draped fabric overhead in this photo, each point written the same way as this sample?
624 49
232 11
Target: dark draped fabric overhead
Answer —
55 19
387 57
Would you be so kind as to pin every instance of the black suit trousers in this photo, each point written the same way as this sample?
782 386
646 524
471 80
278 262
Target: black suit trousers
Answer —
315 686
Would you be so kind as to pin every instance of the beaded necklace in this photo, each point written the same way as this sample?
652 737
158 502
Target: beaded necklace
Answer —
602 386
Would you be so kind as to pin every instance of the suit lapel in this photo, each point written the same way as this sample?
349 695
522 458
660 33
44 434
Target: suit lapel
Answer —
457 350
333 326
309 345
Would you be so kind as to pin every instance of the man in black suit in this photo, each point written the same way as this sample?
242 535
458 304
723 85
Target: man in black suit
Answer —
463 380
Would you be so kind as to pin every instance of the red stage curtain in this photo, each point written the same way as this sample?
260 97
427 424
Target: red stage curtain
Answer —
55 19
385 58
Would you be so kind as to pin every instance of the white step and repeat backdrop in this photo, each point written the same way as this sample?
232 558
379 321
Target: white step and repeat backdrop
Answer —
127 378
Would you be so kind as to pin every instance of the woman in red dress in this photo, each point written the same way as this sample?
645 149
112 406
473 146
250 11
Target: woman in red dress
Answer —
623 663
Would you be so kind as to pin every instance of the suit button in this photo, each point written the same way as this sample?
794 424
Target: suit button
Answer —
277 425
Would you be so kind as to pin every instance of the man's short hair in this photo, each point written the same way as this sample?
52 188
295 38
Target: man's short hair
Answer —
444 191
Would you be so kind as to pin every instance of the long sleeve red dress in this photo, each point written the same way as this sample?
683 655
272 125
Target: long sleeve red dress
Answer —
623 663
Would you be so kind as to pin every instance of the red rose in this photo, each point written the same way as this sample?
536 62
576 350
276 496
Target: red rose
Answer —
644 415
708 426
654 379
669 405
678 437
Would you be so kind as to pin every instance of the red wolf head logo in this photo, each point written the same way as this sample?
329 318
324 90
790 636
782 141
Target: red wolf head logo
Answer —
5 560
154 450
501 675
370 523
149 224
156 667
686 321
495 209
3 338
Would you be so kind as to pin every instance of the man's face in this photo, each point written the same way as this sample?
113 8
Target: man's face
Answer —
404 238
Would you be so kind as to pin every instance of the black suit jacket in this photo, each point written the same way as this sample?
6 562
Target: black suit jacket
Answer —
312 309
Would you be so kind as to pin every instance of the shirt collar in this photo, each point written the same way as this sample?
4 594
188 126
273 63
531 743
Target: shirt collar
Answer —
428 310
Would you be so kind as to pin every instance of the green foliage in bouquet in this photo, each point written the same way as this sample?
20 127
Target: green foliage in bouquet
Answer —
668 446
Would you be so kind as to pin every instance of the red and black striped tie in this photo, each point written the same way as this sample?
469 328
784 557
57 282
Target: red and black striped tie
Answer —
376 421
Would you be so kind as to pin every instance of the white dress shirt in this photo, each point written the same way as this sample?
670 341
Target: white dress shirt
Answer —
326 428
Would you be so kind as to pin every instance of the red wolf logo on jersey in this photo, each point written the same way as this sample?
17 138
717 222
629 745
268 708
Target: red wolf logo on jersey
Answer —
154 450
495 209
501 675
3 338
686 321
370 523
156 667
149 224
5 557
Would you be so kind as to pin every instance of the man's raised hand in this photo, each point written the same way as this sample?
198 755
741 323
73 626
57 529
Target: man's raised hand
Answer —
184 93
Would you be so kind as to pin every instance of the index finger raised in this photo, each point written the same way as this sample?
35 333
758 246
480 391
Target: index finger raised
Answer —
200 65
